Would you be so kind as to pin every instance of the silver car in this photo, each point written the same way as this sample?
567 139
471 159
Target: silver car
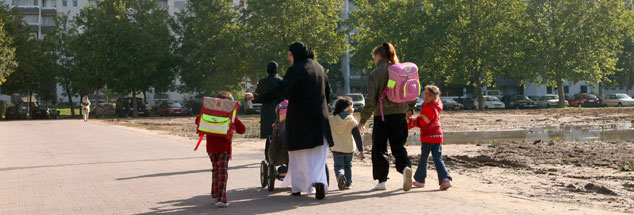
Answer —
549 100
618 100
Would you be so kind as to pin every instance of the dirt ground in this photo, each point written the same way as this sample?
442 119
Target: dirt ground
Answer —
591 173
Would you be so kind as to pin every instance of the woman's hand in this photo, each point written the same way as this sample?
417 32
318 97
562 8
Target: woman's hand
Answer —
249 96
361 127
361 155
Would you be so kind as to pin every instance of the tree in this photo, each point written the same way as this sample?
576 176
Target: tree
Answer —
574 40
624 75
7 54
453 42
28 56
130 45
271 26
210 48
61 46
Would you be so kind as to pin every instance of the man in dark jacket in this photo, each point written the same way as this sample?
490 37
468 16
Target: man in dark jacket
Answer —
269 93
307 89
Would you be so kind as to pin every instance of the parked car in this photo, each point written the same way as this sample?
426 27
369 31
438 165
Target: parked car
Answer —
518 101
43 112
254 107
549 100
125 107
15 112
494 93
358 101
450 104
490 102
618 100
172 109
104 109
467 103
585 100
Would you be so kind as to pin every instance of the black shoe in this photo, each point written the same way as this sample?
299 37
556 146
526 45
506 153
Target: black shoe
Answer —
320 191
296 194
341 182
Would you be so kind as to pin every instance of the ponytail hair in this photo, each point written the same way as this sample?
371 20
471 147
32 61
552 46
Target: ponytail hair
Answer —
386 51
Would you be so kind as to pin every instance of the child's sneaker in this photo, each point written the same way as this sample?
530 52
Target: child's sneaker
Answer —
446 184
222 204
418 184
407 179
380 186
341 182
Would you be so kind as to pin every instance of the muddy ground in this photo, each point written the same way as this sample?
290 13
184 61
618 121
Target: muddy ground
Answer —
597 173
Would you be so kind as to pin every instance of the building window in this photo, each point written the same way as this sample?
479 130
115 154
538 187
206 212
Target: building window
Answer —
179 4
566 89
162 4
64 3
31 19
75 3
50 3
583 89
25 2
549 90
48 21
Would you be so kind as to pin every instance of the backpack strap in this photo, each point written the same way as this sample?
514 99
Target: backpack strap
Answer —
381 104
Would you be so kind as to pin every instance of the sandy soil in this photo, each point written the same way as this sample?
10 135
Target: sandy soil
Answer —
596 173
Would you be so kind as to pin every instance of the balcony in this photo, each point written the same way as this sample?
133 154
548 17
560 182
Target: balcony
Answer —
29 10
49 12
25 3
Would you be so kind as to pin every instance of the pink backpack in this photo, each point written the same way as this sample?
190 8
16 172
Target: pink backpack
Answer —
402 85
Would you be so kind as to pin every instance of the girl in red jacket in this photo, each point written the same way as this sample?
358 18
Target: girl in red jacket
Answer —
431 138
219 151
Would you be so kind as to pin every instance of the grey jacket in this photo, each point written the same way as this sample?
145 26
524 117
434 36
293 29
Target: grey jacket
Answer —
377 80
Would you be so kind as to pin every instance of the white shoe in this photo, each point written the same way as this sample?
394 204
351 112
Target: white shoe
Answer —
380 186
222 205
407 179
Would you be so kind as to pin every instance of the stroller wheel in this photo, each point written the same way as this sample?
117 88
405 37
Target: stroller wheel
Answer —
264 173
272 177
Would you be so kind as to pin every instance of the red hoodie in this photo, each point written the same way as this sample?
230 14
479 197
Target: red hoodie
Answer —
217 145
429 132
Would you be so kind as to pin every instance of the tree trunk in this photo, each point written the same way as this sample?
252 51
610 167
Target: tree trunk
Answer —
135 108
70 101
601 89
560 92
28 106
81 109
480 97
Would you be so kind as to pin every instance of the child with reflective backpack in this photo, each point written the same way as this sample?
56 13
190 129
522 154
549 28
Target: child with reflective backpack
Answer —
219 151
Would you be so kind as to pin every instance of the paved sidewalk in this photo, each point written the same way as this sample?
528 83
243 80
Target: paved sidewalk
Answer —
72 167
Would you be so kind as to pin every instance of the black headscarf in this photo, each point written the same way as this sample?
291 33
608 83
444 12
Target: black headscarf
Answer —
300 51
272 67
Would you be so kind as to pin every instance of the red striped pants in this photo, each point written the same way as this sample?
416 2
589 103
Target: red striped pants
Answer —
220 163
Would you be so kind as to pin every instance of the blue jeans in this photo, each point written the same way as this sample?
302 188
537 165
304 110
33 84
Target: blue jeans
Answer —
343 161
436 152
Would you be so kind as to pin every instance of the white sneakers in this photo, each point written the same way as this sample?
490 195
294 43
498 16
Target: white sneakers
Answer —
380 186
222 205
407 179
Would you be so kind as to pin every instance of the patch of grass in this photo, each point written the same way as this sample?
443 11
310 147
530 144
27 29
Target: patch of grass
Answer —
624 168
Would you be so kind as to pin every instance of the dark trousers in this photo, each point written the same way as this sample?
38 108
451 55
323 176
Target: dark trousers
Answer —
394 129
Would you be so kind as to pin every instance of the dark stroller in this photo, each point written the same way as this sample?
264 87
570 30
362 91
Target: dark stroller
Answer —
276 152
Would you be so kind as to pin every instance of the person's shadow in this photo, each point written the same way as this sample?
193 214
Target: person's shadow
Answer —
260 201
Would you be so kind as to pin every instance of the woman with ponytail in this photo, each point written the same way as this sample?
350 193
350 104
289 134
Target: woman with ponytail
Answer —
393 128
